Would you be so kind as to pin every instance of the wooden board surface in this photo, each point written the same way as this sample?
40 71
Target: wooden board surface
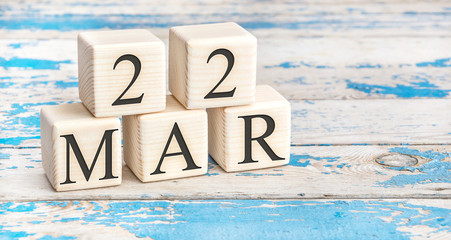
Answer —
369 87
313 172
401 121
228 219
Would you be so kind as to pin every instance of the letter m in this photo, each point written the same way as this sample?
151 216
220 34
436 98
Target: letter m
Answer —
72 143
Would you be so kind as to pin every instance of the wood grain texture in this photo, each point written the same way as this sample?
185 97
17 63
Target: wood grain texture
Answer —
90 138
228 219
323 68
307 50
150 139
121 72
420 121
310 18
313 172
399 121
267 121
212 65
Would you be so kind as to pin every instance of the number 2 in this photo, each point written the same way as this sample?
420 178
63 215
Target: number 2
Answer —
137 65
230 61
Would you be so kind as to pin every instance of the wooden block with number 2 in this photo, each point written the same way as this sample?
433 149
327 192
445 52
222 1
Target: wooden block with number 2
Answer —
121 72
212 65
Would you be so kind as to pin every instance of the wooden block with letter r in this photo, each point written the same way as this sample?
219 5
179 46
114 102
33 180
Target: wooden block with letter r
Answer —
168 144
251 136
80 151
121 72
212 65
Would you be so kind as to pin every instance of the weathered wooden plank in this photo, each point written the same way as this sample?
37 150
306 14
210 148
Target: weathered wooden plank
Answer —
313 172
419 121
298 67
312 17
228 219
425 121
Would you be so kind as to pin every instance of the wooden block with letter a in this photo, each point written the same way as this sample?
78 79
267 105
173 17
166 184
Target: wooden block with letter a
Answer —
121 72
166 145
80 151
212 65
251 136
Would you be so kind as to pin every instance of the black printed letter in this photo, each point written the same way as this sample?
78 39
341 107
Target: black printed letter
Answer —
261 140
71 142
185 152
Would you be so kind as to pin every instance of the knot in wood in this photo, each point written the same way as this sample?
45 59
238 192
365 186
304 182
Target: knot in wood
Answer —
396 160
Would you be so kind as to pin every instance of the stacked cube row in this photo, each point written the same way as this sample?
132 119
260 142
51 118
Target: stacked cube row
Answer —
212 69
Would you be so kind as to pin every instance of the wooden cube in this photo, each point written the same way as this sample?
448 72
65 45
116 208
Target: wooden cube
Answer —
80 151
166 145
121 72
212 65
252 136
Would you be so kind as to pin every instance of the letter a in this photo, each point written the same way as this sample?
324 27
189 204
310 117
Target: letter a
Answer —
185 152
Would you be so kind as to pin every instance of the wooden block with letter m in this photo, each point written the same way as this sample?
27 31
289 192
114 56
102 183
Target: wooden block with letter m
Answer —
212 65
252 136
80 151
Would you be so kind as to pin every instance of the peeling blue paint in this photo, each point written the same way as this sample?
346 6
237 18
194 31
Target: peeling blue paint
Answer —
295 159
36 222
443 62
211 164
12 207
365 65
15 45
262 219
48 237
298 80
29 63
424 89
342 165
65 84
14 118
4 155
299 64
8 234
249 174
380 173
16 140
436 170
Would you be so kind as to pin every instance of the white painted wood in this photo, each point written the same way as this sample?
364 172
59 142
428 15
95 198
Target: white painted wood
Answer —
307 18
314 172
200 56
391 121
227 138
399 121
107 66
338 219
89 132
403 43
324 68
150 139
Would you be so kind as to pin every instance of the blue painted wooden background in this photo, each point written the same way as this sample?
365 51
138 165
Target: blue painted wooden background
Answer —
364 77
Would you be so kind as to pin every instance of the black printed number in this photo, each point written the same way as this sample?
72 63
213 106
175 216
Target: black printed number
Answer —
137 65
230 61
